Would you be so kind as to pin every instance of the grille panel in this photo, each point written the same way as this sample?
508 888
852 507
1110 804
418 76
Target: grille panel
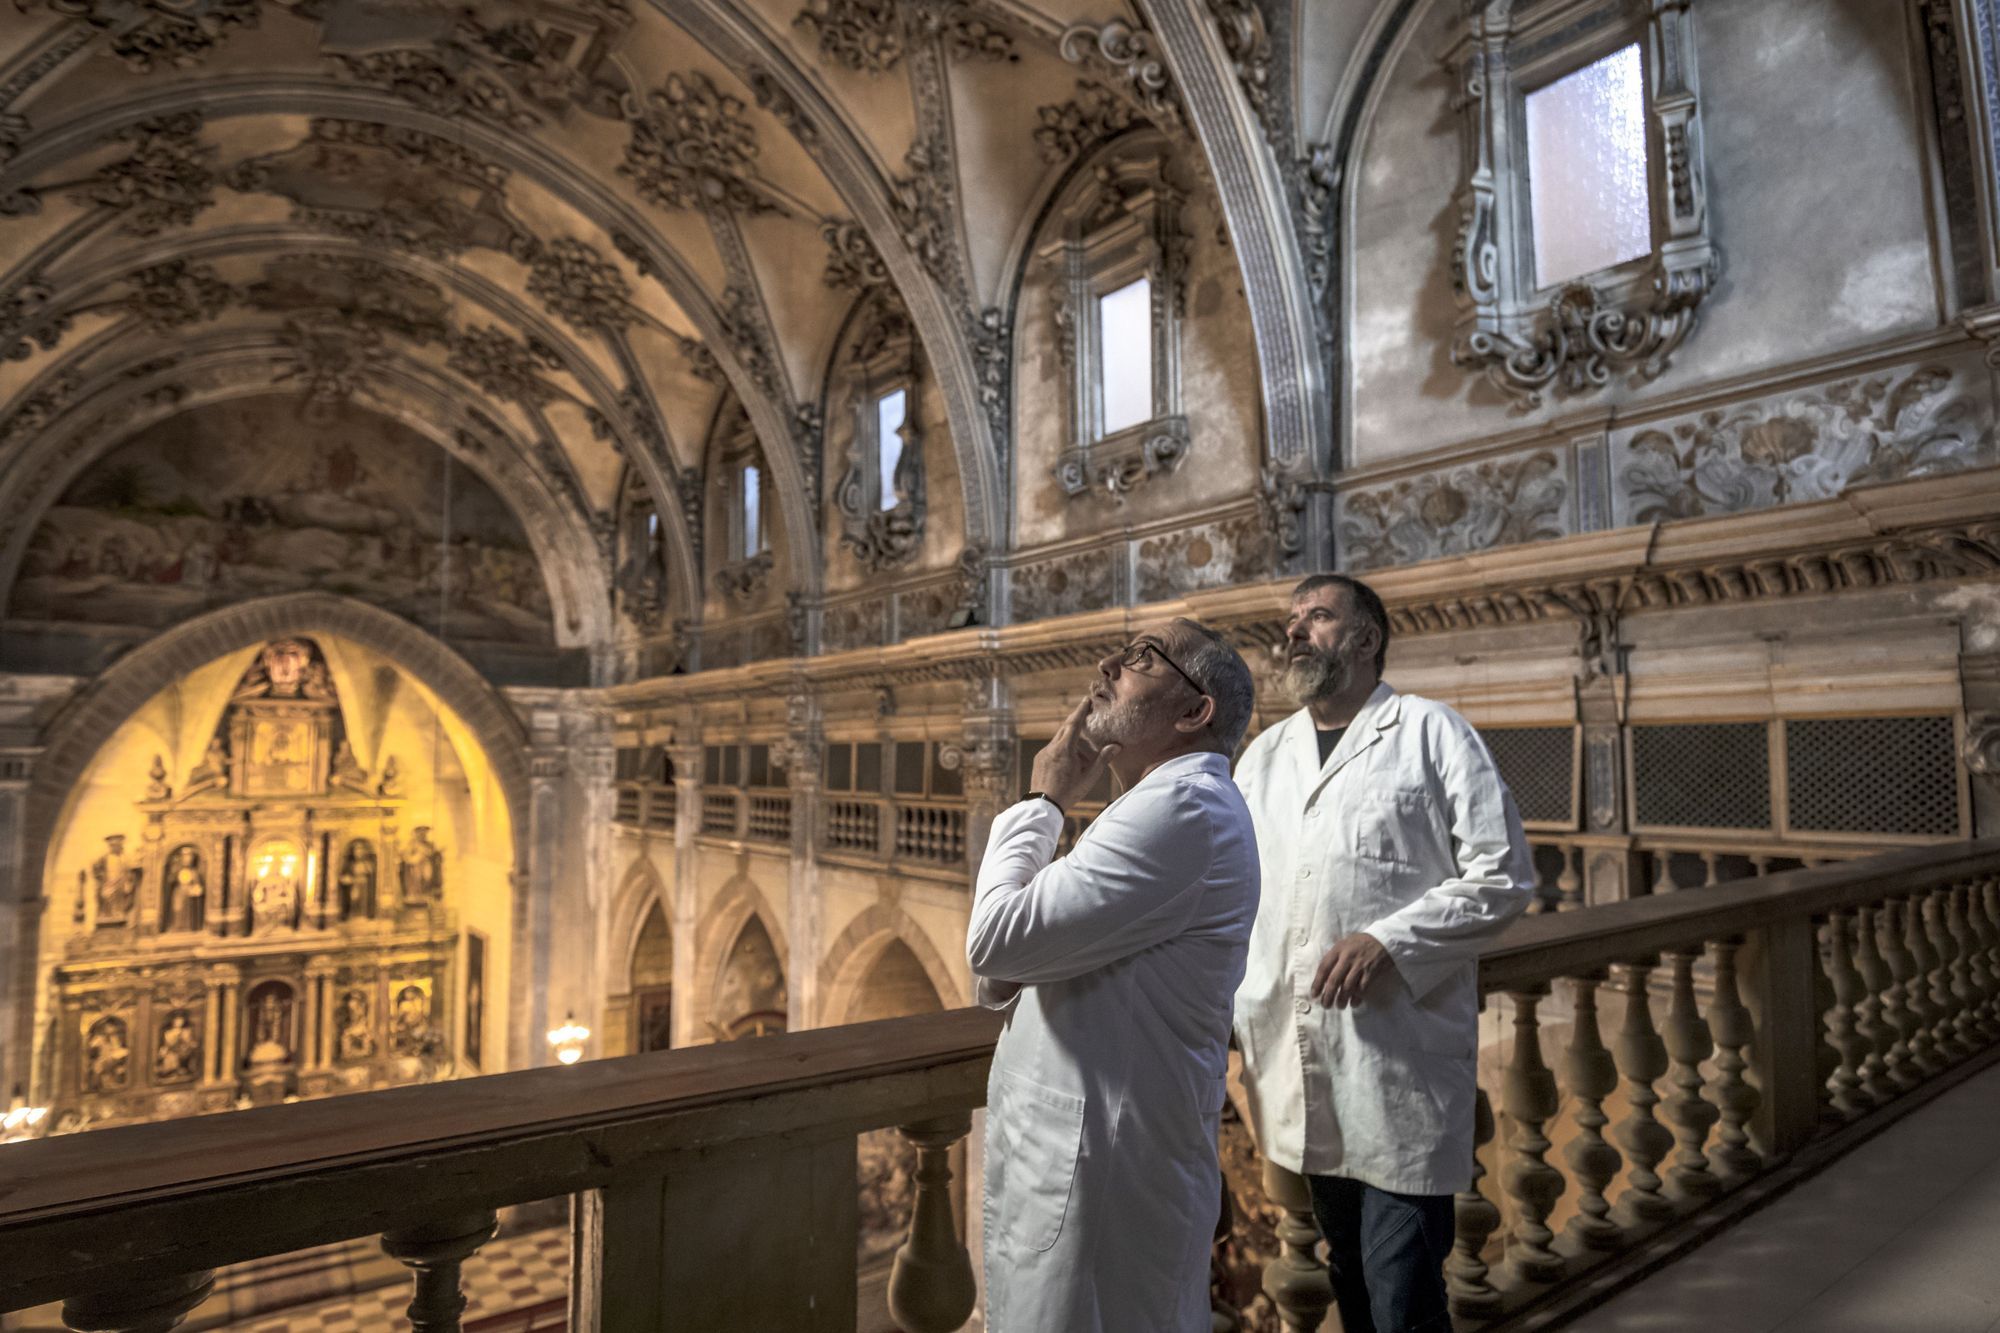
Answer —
1702 775
1539 767
1895 775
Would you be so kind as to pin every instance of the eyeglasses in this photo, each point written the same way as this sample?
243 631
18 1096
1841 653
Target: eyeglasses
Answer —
1137 653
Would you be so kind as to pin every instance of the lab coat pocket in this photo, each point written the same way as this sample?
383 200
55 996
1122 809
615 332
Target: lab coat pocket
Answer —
1388 825
1036 1137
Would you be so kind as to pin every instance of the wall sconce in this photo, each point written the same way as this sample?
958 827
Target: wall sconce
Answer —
568 1039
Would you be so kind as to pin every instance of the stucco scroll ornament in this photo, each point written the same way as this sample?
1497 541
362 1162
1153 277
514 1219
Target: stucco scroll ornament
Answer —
1982 745
742 580
1574 336
1131 57
885 536
1119 465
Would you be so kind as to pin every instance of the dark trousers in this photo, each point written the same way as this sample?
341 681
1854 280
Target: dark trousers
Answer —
1385 1253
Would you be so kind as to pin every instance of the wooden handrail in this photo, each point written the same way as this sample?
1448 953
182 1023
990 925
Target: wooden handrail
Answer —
196 1193
1542 948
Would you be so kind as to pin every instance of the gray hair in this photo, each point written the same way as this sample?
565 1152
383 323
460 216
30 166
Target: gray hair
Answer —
1225 679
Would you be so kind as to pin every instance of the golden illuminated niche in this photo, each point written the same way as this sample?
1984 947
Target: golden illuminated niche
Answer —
286 875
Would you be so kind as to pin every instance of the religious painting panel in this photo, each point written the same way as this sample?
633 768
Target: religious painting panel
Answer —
198 512
410 1016
275 869
184 890
354 1024
269 1033
177 1049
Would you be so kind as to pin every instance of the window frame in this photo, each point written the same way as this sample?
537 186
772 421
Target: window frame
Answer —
1119 220
881 361
1573 337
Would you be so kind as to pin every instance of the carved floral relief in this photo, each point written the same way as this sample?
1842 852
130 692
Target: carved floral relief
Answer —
1455 511
1811 444
1083 581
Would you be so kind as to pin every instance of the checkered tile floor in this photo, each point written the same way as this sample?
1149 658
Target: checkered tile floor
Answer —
505 1275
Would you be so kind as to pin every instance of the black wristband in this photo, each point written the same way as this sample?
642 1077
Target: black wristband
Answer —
1044 796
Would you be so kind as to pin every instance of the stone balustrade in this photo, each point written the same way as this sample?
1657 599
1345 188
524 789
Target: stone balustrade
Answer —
1655 1067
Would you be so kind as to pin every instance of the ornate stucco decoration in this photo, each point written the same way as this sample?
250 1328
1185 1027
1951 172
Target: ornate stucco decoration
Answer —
693 147
581 286
852 263
741 581
872 36
331 358
1130 58
1247 38
1572 338
150 34
390 185
1454 511
165 181
1071 129
1808 445
1282 496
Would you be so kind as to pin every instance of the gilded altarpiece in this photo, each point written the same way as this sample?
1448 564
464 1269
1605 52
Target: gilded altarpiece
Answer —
279 930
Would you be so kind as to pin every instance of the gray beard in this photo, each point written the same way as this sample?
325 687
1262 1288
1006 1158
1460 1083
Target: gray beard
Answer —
1318 676
1113 724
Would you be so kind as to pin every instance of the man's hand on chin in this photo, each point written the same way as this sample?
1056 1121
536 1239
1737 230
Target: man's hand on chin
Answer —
1069 765
1350 968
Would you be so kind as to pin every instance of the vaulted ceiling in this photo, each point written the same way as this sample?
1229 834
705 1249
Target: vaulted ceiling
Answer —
554 235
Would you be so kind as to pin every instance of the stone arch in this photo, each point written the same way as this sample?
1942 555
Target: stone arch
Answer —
638 894
87 722
740 900
859 947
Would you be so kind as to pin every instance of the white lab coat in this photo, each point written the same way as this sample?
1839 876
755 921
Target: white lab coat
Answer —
1407 833
1116 965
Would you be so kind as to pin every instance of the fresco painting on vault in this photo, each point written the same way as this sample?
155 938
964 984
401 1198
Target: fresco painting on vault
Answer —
199 512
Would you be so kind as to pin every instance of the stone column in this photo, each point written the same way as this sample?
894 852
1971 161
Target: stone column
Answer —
319 994
986 757
229 981
585 921
535 911
801 753
211 1028
20 920
683 889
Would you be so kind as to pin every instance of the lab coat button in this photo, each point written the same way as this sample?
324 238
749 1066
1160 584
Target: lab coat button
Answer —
1305 872
1302 1006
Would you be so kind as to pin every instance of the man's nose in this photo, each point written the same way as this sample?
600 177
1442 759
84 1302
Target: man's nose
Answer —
1107 666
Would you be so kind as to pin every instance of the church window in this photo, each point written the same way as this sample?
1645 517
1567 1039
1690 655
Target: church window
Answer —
1117 261
881 493
1583 250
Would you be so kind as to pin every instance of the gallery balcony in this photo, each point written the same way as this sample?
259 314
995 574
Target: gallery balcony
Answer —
1654 1070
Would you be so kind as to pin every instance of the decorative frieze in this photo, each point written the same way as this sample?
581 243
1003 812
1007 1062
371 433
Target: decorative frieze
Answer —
1065 585
1071 129
574 281
1207 555
1805 444
872 36
1130 58
862 624
1454 511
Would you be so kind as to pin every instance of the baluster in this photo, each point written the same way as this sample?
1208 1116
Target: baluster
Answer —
1296 1281
1903 1069
1918 997
930 1284
1735 1099
1642 1058
434 1251
138 1307
1530 1091
1984 977
1945 992
1710 874
1663 879
1841 1031
1688 1043
1967 984
1987 892
1760 864
1569 884
1593 1076
1869 1019
1477 1217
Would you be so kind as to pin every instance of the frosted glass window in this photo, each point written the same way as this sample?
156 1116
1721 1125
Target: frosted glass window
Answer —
889 409
1125 355
1587 169
753 510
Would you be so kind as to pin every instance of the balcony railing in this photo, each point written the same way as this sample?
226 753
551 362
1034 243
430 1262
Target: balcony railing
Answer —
770 819
1691 1054
916 833
647 805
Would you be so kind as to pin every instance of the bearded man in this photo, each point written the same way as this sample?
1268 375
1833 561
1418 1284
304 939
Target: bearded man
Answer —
1391 851
1115 965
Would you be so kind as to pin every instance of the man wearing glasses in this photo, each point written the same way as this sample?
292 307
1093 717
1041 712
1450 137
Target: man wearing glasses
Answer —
1391 850
1115 966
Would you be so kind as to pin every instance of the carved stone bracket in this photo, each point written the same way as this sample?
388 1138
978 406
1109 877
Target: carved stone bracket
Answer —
1118 464
1574 337
741 581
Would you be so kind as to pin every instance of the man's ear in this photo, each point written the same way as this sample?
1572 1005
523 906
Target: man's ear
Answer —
1196 718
